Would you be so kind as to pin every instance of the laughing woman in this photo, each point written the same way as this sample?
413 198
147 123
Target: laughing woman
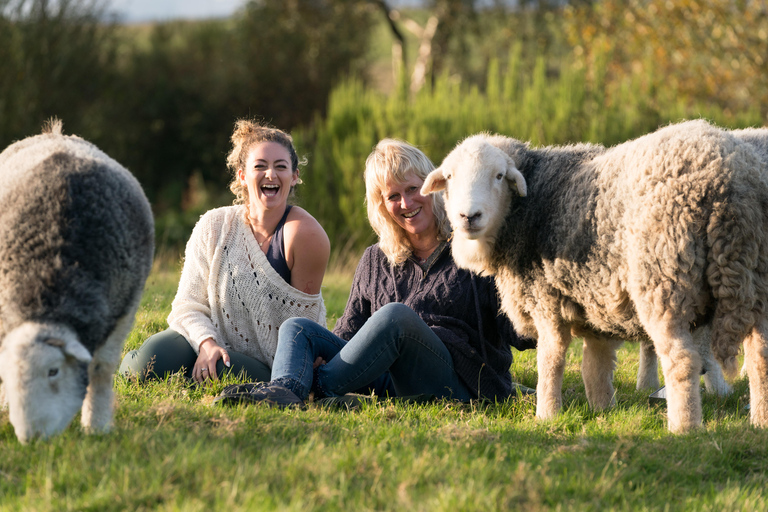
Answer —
413 319
247 268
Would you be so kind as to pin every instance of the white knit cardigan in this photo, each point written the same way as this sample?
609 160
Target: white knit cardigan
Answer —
229 292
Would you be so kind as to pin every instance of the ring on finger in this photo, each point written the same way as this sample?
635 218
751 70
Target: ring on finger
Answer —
203 370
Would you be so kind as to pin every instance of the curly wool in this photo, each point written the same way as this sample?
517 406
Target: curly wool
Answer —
648 372
663 223
76 246
76 243
648 239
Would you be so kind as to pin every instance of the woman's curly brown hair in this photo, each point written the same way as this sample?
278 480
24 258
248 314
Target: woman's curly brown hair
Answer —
246 135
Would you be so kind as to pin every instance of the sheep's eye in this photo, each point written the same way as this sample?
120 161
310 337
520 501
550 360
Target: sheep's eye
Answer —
449 176
499 176
53 372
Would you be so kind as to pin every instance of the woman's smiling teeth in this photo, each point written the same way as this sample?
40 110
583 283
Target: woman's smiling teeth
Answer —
270 189
412 214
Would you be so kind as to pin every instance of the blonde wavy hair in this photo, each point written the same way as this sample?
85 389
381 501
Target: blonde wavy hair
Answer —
397 160
246 135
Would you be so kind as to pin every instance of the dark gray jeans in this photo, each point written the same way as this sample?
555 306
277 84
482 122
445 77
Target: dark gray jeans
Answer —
169 352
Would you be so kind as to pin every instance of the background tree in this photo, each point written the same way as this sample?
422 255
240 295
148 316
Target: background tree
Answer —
290 53
707 51
55 61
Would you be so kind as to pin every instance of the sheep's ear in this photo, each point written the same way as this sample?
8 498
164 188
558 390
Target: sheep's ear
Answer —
72 348
435 182
514 175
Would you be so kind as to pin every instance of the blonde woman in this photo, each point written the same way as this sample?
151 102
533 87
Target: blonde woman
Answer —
414 323
247 268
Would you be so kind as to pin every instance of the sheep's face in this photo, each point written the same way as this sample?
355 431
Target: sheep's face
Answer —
44 372
478 181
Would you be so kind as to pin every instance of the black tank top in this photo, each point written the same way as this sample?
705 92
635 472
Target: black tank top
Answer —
276 250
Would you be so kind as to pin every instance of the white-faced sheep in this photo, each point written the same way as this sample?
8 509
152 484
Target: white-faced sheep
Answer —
647 375
76 246
652 239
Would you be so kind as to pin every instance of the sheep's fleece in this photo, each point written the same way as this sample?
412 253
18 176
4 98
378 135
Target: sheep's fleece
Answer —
654 238
76 246
648 371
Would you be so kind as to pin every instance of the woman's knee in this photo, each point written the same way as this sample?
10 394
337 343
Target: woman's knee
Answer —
130 364
397 311
293 326
400 316
164 352
163 339
301 331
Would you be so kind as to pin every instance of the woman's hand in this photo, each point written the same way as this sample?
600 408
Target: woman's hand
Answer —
318 362
205 366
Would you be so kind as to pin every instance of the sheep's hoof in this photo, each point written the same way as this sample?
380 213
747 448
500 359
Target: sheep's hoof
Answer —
548 414
97 430
683 429
758 419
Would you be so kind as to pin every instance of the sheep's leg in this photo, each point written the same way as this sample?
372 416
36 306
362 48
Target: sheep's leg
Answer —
714 380
756 362
551 349
681 363
648 370
98 404
597 368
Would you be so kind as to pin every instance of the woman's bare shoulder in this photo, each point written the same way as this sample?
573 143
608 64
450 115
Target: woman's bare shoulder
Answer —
307 250
304 228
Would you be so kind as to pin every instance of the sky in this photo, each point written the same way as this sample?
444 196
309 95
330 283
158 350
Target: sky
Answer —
135 11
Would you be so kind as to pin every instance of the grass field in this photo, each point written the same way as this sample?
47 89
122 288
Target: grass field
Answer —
170 449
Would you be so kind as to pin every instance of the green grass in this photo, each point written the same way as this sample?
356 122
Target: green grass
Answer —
170 449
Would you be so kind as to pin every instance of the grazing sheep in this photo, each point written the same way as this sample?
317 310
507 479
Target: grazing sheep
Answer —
76 245
648 375
650 239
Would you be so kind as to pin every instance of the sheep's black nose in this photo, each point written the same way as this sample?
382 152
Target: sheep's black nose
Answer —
470 218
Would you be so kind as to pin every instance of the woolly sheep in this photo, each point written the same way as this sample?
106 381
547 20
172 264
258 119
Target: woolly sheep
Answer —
649 239
76 245
648 376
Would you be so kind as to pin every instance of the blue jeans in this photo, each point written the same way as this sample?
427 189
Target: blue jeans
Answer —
395 340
